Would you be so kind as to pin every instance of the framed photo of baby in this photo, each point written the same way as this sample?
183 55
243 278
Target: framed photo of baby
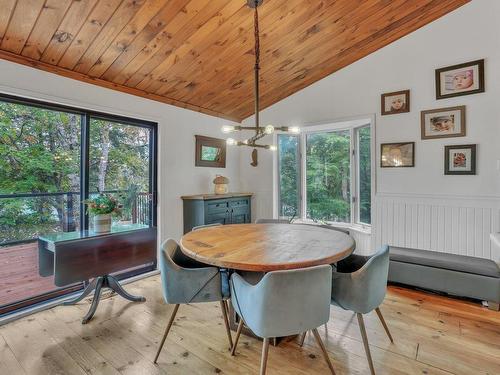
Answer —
395 102
460 159
461 79
443 123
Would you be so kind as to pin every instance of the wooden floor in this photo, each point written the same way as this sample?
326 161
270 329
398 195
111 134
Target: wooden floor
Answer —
19 278
433 335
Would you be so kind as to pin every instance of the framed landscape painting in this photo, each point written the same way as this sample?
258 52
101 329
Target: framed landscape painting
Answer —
210 152
461 79
443 123
395 102
460 159
397 155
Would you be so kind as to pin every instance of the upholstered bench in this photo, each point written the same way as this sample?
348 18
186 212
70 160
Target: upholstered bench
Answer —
456 275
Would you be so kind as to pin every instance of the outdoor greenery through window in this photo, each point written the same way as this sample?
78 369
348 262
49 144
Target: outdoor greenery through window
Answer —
333 176
41 161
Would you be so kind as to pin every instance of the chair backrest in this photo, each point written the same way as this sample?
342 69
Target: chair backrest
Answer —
272 221
184 284
364 290
206 226
285 302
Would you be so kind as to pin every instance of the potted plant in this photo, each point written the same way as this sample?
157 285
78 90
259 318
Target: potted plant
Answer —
102 207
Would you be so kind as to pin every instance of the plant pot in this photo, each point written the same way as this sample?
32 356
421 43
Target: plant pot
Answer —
102 223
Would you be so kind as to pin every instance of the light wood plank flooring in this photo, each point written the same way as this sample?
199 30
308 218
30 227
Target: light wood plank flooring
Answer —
433 335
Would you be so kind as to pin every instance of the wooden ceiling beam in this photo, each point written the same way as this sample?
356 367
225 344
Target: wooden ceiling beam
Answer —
23 60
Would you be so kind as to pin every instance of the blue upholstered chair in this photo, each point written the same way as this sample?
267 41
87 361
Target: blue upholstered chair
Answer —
272 221
283 303
186 281
359 284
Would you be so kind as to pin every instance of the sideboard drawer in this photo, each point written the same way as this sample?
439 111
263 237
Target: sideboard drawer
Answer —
217 206
239 203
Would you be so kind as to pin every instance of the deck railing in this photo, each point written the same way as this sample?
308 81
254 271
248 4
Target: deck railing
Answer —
24 216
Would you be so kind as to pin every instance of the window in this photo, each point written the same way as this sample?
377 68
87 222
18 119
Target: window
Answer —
324 174
52 158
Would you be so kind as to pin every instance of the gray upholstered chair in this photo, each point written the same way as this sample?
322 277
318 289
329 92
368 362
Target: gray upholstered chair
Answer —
272 221
359 284
283 303
186 281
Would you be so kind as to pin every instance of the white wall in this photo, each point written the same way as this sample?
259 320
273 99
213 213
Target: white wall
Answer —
469 33
176 126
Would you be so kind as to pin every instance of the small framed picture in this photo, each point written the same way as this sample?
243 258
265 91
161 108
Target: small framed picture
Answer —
461 79
460 159
395 155
443 122
395 102
210 152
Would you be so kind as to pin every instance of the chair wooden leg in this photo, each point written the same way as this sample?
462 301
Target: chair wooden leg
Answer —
236 339
263 360
323 349
169 325
365 342
302 338
382 320
226 323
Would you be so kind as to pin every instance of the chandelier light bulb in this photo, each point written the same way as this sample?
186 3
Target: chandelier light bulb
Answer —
273 147
269 129
294 129
245 142
231 141
227 129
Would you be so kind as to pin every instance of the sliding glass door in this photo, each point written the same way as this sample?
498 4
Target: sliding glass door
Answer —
51 159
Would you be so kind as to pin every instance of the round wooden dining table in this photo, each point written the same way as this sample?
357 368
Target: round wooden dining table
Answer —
266 247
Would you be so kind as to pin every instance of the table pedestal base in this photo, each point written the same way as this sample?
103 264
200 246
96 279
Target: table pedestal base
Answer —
106 281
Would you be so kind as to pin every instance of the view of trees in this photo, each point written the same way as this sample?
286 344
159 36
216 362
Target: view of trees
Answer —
40 153
328 169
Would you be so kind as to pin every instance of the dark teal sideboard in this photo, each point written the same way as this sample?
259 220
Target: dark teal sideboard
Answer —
232 208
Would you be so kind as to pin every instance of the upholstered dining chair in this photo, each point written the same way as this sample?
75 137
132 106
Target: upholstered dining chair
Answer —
272 221
283 303
186 281
359 284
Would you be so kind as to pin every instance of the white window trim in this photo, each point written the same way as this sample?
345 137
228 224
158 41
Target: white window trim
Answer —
352 124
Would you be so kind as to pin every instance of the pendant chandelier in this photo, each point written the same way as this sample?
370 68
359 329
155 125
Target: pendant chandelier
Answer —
260 131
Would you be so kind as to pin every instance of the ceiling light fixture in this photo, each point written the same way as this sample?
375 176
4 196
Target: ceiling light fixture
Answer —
260 131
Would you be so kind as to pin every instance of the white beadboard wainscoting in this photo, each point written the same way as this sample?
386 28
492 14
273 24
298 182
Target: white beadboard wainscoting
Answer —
457 225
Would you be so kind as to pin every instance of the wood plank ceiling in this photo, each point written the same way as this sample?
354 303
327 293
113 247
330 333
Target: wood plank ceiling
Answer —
198 54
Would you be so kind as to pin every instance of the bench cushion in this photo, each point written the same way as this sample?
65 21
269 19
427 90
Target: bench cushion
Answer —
460 263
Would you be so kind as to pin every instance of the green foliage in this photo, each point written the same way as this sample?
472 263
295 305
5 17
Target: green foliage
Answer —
327 175
40 153
103 204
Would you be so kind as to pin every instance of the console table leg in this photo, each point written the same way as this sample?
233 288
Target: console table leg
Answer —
95 301
113 284
84 294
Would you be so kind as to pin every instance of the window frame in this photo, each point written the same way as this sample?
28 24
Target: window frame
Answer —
353 126
86 116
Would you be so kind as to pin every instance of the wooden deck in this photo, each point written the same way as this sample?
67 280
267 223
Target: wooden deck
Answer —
19 277
433 335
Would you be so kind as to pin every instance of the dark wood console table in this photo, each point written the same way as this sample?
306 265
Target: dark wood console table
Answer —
74 257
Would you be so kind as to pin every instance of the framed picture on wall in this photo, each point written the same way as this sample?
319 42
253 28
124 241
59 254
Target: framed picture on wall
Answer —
460 159
210 152
443 122
461 79
397 155
395 102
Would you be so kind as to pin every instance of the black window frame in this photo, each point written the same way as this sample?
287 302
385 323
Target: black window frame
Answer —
86 116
